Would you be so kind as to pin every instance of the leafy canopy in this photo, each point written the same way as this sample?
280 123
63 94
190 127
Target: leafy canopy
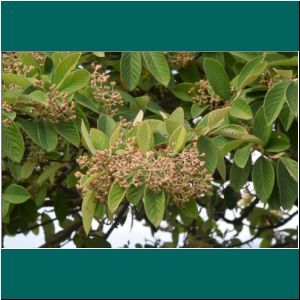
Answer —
190 143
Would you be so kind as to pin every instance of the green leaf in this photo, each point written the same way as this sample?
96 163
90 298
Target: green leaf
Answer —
131 69
292 97
63 69
135 194
17 79
250 72
217 77
242 155
86 102
216 117
278 142
232 131
291 166
274 101
263 178
106 124
27 169
13 143
5 208
181 91
75 81
61 206
40 196
38 97
48 65
143 137
286 117
28 60
157 64
49 173
197 110
274 199
69 132
31 129
239 176
100 211
240 109
154 204
232 145
115 135
288 187
86 138
221 166
99 139
260 127
115 196
16 194
190 210
88 210
207 146
46 135
177 139
138 118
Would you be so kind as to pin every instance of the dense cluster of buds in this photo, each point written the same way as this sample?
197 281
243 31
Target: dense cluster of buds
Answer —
36 154
268 80
12 64
105 93
7 107
182 175
182 59
59 107
201 96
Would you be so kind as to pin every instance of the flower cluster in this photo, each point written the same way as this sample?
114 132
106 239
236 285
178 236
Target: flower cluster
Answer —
5 121
105 93
182 59
12 64
59 107
269 80
182 175
201 96
36 154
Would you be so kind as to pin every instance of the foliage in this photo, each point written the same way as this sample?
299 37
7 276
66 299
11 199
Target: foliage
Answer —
199 145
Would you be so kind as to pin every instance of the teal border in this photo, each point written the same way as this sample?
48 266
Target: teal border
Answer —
167 274
113 26
161 26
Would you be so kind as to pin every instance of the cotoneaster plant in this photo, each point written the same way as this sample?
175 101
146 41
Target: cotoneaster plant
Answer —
196 144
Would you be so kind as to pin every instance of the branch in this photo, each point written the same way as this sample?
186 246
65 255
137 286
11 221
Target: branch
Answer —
262 229
117 220
245 213
62 235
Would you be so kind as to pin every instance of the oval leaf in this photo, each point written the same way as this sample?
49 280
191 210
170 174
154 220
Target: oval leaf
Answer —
99 139
131 69
16 194
263 177
154 204
274 101
88 210
115 196
240 109
157 64
177 139
143 137
13 143
217 77
288 188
